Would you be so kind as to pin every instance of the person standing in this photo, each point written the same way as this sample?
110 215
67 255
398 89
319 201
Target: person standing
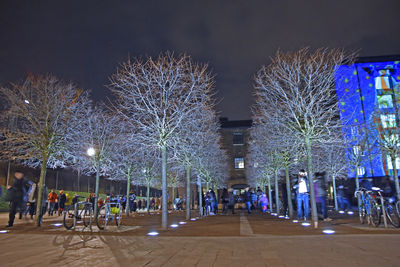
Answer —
302 187
263 201
225 200
15 195
62 199
52 198
231 201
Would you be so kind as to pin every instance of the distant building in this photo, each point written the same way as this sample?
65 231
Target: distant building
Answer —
235 135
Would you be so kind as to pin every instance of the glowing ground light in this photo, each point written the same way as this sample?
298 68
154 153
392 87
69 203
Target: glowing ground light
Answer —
341 211
350 212
306 224
26 101
152 233
295 221
182 222
3 231
328 231
57 224
174 225
193 219
287 218
281 216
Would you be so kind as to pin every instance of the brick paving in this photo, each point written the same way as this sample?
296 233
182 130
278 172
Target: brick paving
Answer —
222 240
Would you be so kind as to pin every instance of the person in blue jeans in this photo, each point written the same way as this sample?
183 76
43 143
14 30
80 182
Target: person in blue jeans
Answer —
247 199
302 198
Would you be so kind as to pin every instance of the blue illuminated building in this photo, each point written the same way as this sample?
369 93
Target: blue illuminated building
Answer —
364 89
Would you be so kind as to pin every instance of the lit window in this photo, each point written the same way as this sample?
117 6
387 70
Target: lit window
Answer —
385 101
388 121
238 139
361 171
390 165
239 163
356 150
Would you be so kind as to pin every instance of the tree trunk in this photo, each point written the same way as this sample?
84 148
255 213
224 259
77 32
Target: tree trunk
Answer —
334 192
56 180
97 187
208 186
314 213
164 217
200 204
277 206
39 200
173 197
188 198
289 191
396 177
269 194
128 189
148 198
79 180
8 173
357 188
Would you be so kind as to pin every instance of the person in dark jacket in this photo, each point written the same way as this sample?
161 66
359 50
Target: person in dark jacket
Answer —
15 194
62 198
225 200
231 202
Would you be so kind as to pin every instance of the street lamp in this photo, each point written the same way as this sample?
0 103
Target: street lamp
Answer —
91 151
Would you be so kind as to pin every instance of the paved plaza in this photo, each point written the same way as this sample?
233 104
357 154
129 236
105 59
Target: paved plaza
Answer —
221 240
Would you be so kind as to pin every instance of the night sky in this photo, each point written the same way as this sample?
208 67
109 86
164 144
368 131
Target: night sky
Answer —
84 41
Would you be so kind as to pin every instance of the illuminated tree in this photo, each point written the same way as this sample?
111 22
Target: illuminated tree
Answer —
94 142
299 88
155 95
46 111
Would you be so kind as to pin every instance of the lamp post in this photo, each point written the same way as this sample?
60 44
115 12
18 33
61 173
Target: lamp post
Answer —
92 153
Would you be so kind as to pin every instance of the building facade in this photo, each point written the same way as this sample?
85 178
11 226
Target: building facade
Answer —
234 137
368 93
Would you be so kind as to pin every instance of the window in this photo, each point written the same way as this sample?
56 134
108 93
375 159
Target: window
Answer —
356 150
388 121
238 139
239 163
390 165
385 101
361 171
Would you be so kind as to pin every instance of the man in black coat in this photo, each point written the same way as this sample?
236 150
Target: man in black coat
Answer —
15 194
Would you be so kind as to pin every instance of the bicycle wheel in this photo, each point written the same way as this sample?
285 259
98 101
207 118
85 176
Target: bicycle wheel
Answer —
392 215
87 215
101 218
69 218
118 217
376 213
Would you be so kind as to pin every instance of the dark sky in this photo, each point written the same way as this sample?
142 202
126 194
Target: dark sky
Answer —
83 41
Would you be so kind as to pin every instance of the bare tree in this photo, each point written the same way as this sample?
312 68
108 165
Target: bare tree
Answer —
300 88
155 96
94 142
45 110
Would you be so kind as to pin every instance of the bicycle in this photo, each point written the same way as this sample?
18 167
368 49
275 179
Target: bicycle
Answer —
110 211
390 207
369 209
78 211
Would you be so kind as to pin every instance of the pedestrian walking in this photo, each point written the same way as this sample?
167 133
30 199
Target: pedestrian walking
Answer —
15 195
302 197
263 202
52 198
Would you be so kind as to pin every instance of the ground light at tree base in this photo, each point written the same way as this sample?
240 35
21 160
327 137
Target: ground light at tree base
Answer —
350 212
193 219
182 222
341 211
306 224
295 221
281 216
57 224
328 231
153 233
174 225
3 231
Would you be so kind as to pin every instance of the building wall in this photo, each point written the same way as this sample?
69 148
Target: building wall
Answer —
228 129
